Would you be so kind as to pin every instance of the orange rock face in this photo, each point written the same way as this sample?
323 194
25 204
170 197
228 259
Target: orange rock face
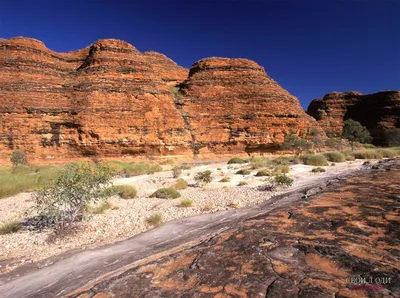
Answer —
109 99
232 105
378 112
103 100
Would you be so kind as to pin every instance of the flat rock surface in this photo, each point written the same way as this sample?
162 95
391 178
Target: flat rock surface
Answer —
295 245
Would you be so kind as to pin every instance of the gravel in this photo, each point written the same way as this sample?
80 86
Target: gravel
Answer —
128 217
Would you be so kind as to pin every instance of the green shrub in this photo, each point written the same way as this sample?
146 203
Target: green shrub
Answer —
283 169
225 179
186 203
242 183
176 171
334 143
263 172
283 180
387 153
185 166
259 162
100 209
369 146
181 184
392 137
10 227
142 168
296 144
155 219
117 166
124 191
78 185
18 158
164 193
335 156
203 177
243 172
315 160
318 170
354 132
367 154
238 160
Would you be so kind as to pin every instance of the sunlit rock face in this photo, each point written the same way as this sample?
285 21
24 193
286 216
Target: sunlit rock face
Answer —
232 105
109 99
378 111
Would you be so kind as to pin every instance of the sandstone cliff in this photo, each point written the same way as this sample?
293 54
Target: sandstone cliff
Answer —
109 99
232 105
103 100
378 112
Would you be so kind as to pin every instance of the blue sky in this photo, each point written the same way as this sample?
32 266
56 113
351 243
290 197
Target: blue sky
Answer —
310 47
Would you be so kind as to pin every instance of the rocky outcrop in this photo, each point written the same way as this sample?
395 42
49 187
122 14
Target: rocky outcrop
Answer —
232 105
109 99
378 112
103 100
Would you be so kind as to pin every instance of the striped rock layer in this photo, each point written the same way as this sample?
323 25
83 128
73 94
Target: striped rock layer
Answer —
378 111
109 99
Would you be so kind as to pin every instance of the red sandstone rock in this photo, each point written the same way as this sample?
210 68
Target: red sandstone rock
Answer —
232 105
109 99
378 112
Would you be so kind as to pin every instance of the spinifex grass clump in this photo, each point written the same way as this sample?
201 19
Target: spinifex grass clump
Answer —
155 219
236 160
263 172
315 160
367 154
166 193
186 203
10 227
181 184
124 191
243 172
335 156
318 170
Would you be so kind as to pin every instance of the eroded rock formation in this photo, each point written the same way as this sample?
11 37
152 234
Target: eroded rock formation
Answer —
109 99
378 112
232 105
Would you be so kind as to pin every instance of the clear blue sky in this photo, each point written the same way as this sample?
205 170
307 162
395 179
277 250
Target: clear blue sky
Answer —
310 47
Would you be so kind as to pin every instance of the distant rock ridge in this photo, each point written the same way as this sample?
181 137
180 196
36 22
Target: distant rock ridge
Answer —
378 111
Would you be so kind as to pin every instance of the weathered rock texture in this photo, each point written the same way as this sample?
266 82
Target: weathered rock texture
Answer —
109 99
378 112
233 105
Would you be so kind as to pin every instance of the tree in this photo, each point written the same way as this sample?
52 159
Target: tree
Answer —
79 184
316 139
18 158
393 137
296 144
355 132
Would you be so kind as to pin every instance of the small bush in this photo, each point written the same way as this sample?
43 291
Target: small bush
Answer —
259 162
185 166
155 219
243 172
350 158
387 153
186 203
176 171
318 170
142 168
242 183
238 160
164 193
263 172
124 191
203 177
283 180
315 160
181 184
225 179
335 156
333 164
219 169
18 158
369 146
10 227
100 209
283 169
367 154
